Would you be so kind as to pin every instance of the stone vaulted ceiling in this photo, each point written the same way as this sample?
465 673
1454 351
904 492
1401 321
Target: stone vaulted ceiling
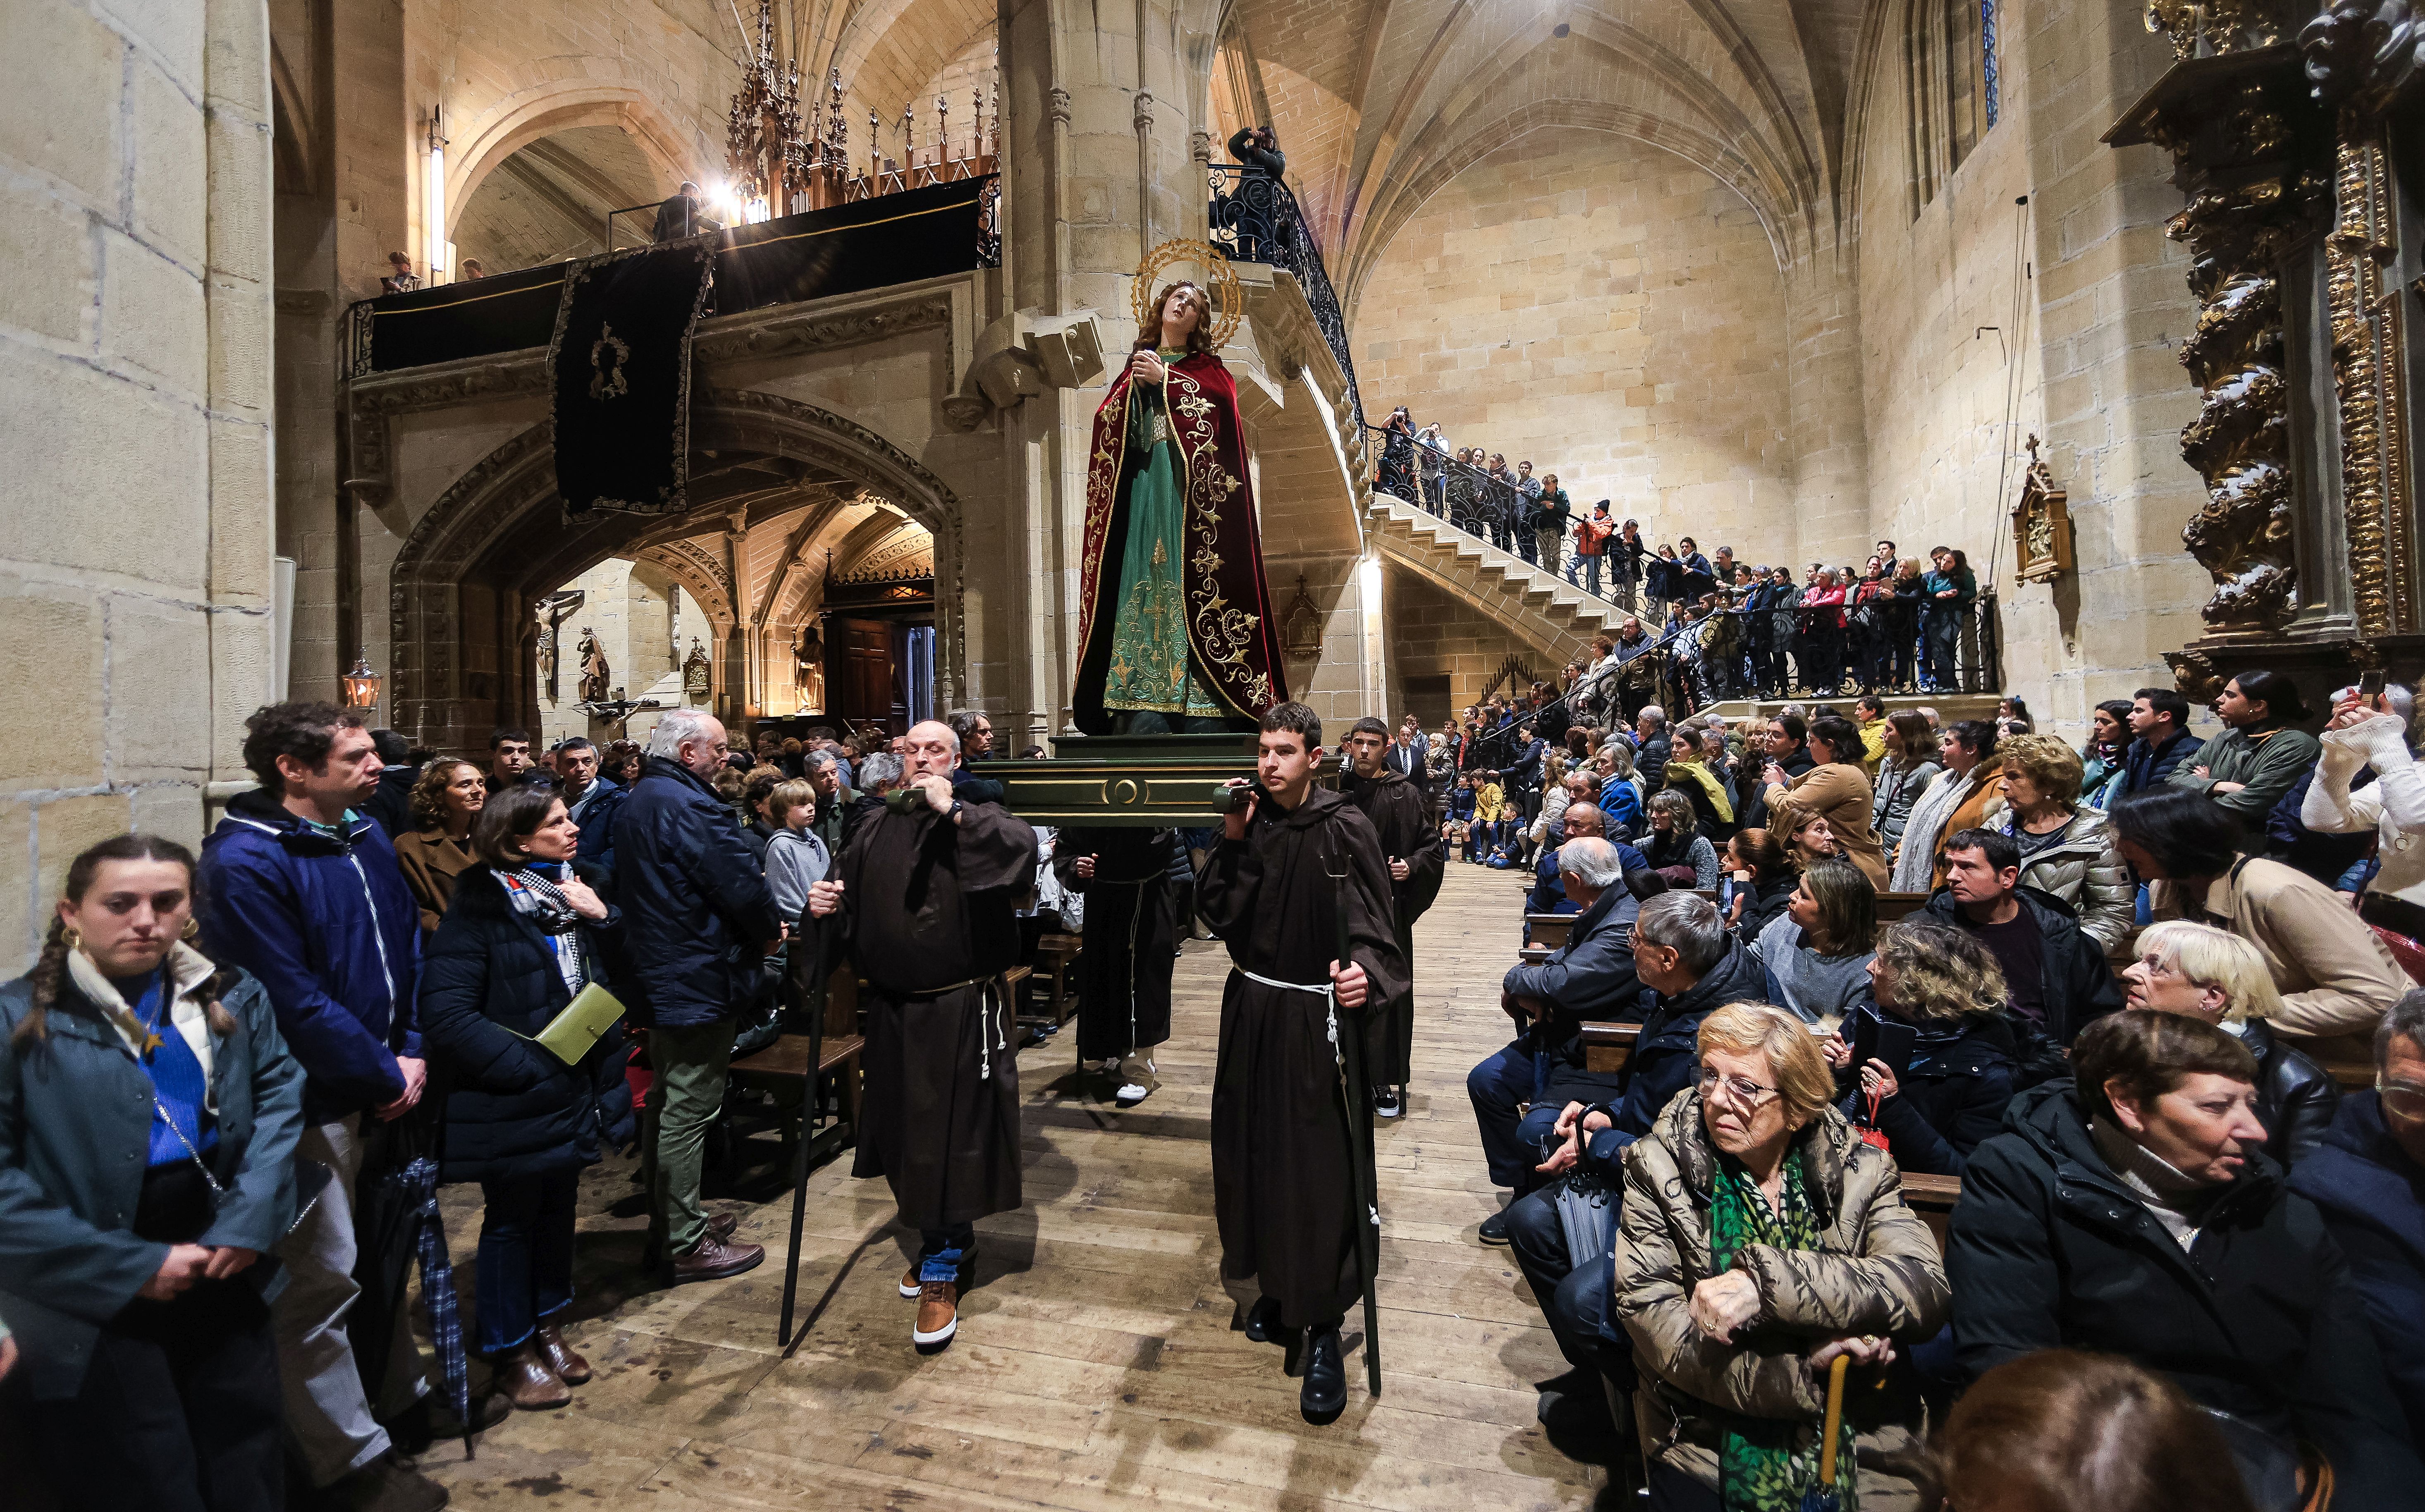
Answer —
1377 103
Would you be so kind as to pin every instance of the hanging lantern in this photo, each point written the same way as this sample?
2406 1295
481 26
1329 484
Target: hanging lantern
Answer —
361 684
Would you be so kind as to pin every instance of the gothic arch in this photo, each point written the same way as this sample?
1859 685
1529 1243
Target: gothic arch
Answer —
521 118
460 586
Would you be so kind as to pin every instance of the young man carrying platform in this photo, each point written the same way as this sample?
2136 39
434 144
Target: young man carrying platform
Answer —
1285 1146
1410 844
928 890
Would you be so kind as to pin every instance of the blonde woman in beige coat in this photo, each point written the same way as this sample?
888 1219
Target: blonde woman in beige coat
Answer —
2067 848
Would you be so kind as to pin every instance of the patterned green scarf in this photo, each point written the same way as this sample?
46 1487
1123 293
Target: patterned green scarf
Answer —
1759 1467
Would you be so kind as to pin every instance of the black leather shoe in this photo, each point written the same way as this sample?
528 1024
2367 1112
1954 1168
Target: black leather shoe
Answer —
1264 1322
1324 1395
1494 1229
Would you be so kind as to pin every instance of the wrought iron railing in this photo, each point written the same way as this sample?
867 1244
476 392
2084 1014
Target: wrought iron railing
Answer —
1256 220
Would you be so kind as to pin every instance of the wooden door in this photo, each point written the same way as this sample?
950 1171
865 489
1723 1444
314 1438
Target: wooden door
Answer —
863 681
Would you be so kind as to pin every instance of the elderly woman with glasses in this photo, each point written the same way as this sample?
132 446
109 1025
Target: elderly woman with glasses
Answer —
1762 1239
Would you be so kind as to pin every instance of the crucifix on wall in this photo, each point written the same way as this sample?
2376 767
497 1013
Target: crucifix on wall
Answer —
553 610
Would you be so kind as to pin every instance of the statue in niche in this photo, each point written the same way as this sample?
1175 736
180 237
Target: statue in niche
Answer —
595 674
694 679
1176 632
809 667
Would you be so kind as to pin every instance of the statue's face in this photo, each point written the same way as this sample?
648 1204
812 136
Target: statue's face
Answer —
1183 310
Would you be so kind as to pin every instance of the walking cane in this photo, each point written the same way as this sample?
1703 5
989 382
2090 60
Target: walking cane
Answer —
811 1113
1359 1147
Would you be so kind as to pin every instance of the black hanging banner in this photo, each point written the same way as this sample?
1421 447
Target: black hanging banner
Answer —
619 366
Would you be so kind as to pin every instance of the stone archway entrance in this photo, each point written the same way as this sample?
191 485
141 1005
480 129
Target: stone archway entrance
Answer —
462 589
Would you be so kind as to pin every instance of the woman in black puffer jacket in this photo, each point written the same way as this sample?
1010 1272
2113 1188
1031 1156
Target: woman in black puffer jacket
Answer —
520 937
1964 1067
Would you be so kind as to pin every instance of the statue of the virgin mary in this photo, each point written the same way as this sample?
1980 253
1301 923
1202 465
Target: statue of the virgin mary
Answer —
1175 626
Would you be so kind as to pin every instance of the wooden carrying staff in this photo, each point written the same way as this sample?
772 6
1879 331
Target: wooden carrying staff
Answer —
1359 1093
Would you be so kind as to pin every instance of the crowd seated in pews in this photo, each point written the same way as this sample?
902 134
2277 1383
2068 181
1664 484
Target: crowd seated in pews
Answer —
1714 1126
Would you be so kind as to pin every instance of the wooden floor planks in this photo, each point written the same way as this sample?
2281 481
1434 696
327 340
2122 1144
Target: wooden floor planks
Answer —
1095 1366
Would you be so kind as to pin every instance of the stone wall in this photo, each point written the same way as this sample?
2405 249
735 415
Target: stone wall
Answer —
1434 634
2090 304
135 353
1607 309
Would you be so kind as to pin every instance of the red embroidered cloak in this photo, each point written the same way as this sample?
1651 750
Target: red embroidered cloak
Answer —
1229 622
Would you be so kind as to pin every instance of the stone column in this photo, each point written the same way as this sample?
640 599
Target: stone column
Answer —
1827 427
1098 107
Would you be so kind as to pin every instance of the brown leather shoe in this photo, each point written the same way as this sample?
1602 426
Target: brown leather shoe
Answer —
939 1316
911 1288
721 1225
561 1357
530 1383
714 1259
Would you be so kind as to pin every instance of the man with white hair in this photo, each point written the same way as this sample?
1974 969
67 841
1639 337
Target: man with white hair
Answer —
930 890
697 919
1589 977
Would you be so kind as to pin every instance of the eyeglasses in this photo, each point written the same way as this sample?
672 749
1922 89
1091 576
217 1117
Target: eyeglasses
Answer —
1741 1090
2408 1101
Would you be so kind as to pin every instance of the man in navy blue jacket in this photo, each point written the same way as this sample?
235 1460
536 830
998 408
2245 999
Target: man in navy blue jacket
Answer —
699 921
592 801
303 891
2160 719
1688 966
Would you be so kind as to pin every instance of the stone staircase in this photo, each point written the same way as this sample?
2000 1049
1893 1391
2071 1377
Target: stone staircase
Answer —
1543 611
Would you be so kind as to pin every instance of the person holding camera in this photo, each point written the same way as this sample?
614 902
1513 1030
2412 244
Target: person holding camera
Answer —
2369 731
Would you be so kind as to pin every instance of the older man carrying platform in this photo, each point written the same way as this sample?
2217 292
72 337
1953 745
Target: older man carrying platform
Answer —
929 890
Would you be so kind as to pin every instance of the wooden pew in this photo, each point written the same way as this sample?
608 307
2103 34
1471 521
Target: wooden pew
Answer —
2352 1075
1550 930
1897 906
1608 1046
1932 1198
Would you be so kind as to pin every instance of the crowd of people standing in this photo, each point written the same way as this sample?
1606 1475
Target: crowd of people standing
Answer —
1729 628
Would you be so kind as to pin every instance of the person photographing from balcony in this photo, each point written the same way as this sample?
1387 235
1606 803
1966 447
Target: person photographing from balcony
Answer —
1259 151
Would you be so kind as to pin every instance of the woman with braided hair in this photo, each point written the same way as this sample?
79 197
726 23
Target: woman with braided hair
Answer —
149 1111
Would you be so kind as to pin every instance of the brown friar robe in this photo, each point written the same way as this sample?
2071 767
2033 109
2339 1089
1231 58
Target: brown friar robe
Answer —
930 905
1400 817
1130 934
1283 1188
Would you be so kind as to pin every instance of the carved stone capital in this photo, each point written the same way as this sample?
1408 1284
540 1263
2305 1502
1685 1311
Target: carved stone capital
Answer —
1056 107
1200 145
1143 120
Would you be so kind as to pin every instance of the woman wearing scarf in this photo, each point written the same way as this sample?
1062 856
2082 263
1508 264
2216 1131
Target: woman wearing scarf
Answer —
1957 800
520 940
148 1116
1761 1238
1689 773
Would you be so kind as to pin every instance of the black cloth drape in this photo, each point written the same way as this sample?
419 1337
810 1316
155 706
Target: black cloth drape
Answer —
620 365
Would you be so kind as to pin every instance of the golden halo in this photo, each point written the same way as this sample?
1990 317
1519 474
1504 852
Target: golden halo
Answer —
1220 281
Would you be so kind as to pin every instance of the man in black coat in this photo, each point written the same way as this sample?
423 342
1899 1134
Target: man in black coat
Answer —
2057 975
391 802
2220 1278
699 921
1411 843
1130 933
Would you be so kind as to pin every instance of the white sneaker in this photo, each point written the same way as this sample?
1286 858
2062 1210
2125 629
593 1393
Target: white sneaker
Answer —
1388 1101
1133 1093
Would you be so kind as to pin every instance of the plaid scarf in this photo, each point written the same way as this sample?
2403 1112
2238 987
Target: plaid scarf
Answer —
1762 1464
537 898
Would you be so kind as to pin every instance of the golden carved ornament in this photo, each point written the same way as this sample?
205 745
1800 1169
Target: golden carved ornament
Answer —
1220 281
2199 27
2041 525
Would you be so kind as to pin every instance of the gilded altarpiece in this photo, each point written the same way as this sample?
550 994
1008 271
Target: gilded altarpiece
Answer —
2296 137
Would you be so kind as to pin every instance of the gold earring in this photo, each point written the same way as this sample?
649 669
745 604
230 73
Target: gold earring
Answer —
73 937
193 927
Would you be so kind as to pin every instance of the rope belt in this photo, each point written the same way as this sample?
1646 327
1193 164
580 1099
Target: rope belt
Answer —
986 1040
1328 995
